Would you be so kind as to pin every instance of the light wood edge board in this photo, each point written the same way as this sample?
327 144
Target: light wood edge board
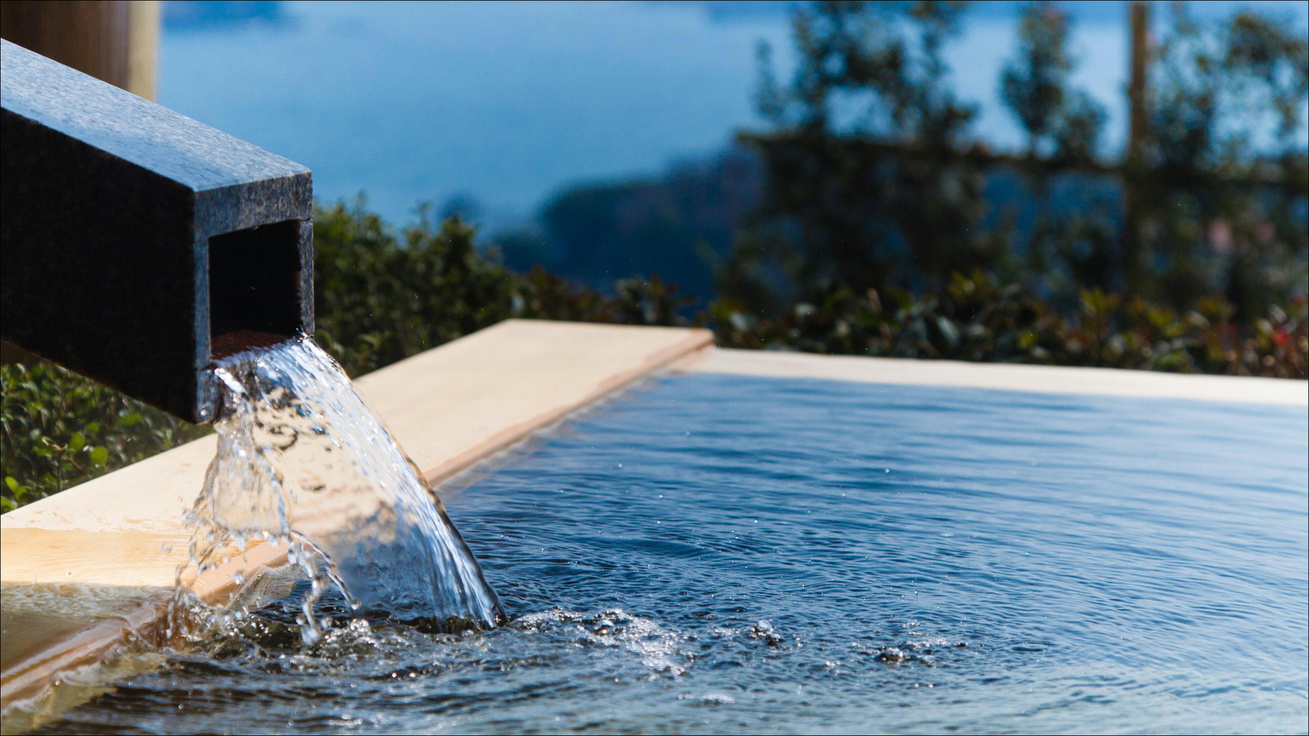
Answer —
997 376
449 408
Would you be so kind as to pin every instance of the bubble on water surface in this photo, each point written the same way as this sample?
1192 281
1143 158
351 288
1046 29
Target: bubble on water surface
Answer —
659 648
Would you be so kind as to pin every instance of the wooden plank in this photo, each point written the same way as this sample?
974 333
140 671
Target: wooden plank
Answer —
1000 376
128 559
474 398
449 408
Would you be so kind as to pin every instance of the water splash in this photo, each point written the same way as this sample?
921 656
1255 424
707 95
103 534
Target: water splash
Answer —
303 463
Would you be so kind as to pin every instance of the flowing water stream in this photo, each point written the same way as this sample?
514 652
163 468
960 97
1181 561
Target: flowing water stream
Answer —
302 462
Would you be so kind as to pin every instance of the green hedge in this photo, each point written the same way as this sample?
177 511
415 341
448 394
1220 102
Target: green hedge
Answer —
382 295
58 429
975 318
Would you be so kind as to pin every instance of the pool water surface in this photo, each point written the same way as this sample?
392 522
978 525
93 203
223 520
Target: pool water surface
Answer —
714 553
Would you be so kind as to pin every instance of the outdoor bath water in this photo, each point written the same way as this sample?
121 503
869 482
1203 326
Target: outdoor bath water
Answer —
716 553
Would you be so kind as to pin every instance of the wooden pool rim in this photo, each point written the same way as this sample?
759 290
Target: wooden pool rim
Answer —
450 408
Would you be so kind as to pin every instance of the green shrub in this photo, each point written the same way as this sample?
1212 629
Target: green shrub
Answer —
58 429
381 296
977 319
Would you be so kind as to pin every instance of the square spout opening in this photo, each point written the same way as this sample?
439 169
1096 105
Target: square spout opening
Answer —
255 288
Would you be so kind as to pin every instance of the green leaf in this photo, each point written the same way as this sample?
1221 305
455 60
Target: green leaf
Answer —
77 442
13 484
99 456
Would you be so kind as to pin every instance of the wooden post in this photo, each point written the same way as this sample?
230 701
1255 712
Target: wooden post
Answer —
117 42
143 48
112 40
1133 256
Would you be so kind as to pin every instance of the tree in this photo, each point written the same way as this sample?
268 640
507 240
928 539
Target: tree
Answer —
1224 192
1063 126
863 180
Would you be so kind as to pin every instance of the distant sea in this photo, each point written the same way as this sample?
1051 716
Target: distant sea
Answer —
505 103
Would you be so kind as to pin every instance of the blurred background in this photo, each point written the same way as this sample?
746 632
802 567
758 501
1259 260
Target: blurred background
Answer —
1114 184
630 138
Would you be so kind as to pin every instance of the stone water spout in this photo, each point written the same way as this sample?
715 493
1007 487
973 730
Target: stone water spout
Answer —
138 244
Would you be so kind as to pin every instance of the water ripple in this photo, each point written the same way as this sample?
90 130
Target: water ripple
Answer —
726 554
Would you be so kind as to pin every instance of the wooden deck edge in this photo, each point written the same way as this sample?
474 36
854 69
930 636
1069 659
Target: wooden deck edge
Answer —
1000 376
509 436
484 392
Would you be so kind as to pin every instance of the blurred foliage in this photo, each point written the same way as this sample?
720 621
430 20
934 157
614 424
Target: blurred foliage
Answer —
58 429
874 178
861 188
1061 122
976 318
1223 178
381 296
